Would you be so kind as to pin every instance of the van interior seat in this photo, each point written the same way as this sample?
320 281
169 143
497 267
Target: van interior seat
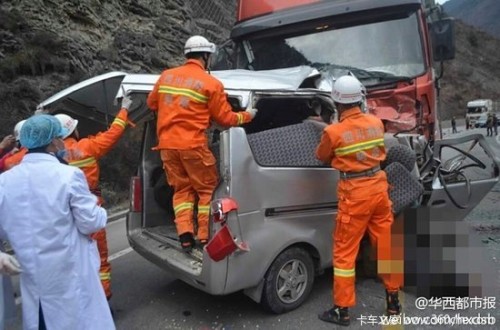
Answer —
288 146
401 154
405 188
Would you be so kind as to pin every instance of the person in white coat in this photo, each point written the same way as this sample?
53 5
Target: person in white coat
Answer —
47 214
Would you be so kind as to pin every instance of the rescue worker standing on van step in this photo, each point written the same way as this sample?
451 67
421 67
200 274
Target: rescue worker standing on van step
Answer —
355 147
186 99
85 153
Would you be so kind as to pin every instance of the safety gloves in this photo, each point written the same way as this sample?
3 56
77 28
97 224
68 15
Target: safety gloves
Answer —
9 265
126 102
252 111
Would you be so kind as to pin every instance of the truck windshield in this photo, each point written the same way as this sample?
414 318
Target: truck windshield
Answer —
476 110
377 51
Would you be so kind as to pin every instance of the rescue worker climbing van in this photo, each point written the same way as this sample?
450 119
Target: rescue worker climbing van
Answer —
271 214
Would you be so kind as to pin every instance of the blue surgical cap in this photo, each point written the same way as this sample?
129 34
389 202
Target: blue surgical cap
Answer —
39 130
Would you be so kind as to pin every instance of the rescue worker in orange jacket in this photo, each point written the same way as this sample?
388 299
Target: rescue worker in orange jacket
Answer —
85 153
355 147
16 155
186 99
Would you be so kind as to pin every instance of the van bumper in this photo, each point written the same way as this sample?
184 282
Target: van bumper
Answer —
207 276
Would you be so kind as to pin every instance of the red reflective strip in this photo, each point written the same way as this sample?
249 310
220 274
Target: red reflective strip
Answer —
136 194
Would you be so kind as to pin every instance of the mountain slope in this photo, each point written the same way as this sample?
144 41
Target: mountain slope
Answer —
483 14
474 73
48 45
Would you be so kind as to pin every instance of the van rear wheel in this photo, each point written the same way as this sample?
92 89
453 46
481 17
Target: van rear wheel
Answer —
288 281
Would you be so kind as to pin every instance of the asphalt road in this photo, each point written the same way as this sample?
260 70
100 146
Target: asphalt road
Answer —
147 297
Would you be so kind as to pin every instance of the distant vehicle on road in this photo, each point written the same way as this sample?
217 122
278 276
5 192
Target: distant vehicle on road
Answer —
478 110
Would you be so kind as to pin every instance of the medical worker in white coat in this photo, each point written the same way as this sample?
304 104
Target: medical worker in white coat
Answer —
47 214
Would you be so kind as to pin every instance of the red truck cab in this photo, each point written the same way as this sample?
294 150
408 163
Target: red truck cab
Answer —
389 45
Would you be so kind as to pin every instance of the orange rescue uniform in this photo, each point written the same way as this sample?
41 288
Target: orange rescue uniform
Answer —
186 99
11 160
84 154
354 145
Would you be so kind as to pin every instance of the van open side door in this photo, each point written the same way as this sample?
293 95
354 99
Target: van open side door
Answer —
96 101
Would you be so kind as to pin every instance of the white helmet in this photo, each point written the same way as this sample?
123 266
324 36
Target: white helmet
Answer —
17 129
67 122
347 90
198 44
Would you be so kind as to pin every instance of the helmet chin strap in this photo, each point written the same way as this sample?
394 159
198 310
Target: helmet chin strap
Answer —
206 59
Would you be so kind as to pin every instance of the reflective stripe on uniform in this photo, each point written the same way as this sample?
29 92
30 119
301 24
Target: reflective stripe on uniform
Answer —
119 122
240 118
182 207
89 161
204 209
193 95
344 272
105 276
359 147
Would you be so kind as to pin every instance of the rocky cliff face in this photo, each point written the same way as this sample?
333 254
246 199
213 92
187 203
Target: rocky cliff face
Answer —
482 14
48 44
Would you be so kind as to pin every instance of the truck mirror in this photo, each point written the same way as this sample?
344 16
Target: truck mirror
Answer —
443 39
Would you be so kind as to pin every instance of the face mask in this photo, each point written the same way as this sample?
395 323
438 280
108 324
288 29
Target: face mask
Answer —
61 153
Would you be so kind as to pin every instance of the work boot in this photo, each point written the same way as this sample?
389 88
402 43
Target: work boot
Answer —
393 305
338 315
187 242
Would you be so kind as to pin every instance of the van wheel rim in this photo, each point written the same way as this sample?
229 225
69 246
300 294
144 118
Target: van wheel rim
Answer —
291 281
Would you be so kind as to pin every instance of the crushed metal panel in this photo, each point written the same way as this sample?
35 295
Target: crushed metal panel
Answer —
283 79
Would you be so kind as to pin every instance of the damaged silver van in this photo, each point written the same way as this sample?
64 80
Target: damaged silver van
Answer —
272 212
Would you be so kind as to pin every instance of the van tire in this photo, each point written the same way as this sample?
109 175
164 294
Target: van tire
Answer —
299 283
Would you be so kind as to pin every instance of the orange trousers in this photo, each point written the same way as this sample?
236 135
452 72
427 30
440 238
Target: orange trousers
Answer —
105 268
191 173
354 218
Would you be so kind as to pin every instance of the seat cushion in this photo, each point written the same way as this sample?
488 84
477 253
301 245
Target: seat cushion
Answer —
405 189
293 146
401 154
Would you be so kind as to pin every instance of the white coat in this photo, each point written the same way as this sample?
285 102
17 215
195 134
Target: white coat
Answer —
7 303
47 213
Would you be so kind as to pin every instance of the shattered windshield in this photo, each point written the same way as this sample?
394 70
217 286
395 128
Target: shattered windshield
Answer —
375 52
